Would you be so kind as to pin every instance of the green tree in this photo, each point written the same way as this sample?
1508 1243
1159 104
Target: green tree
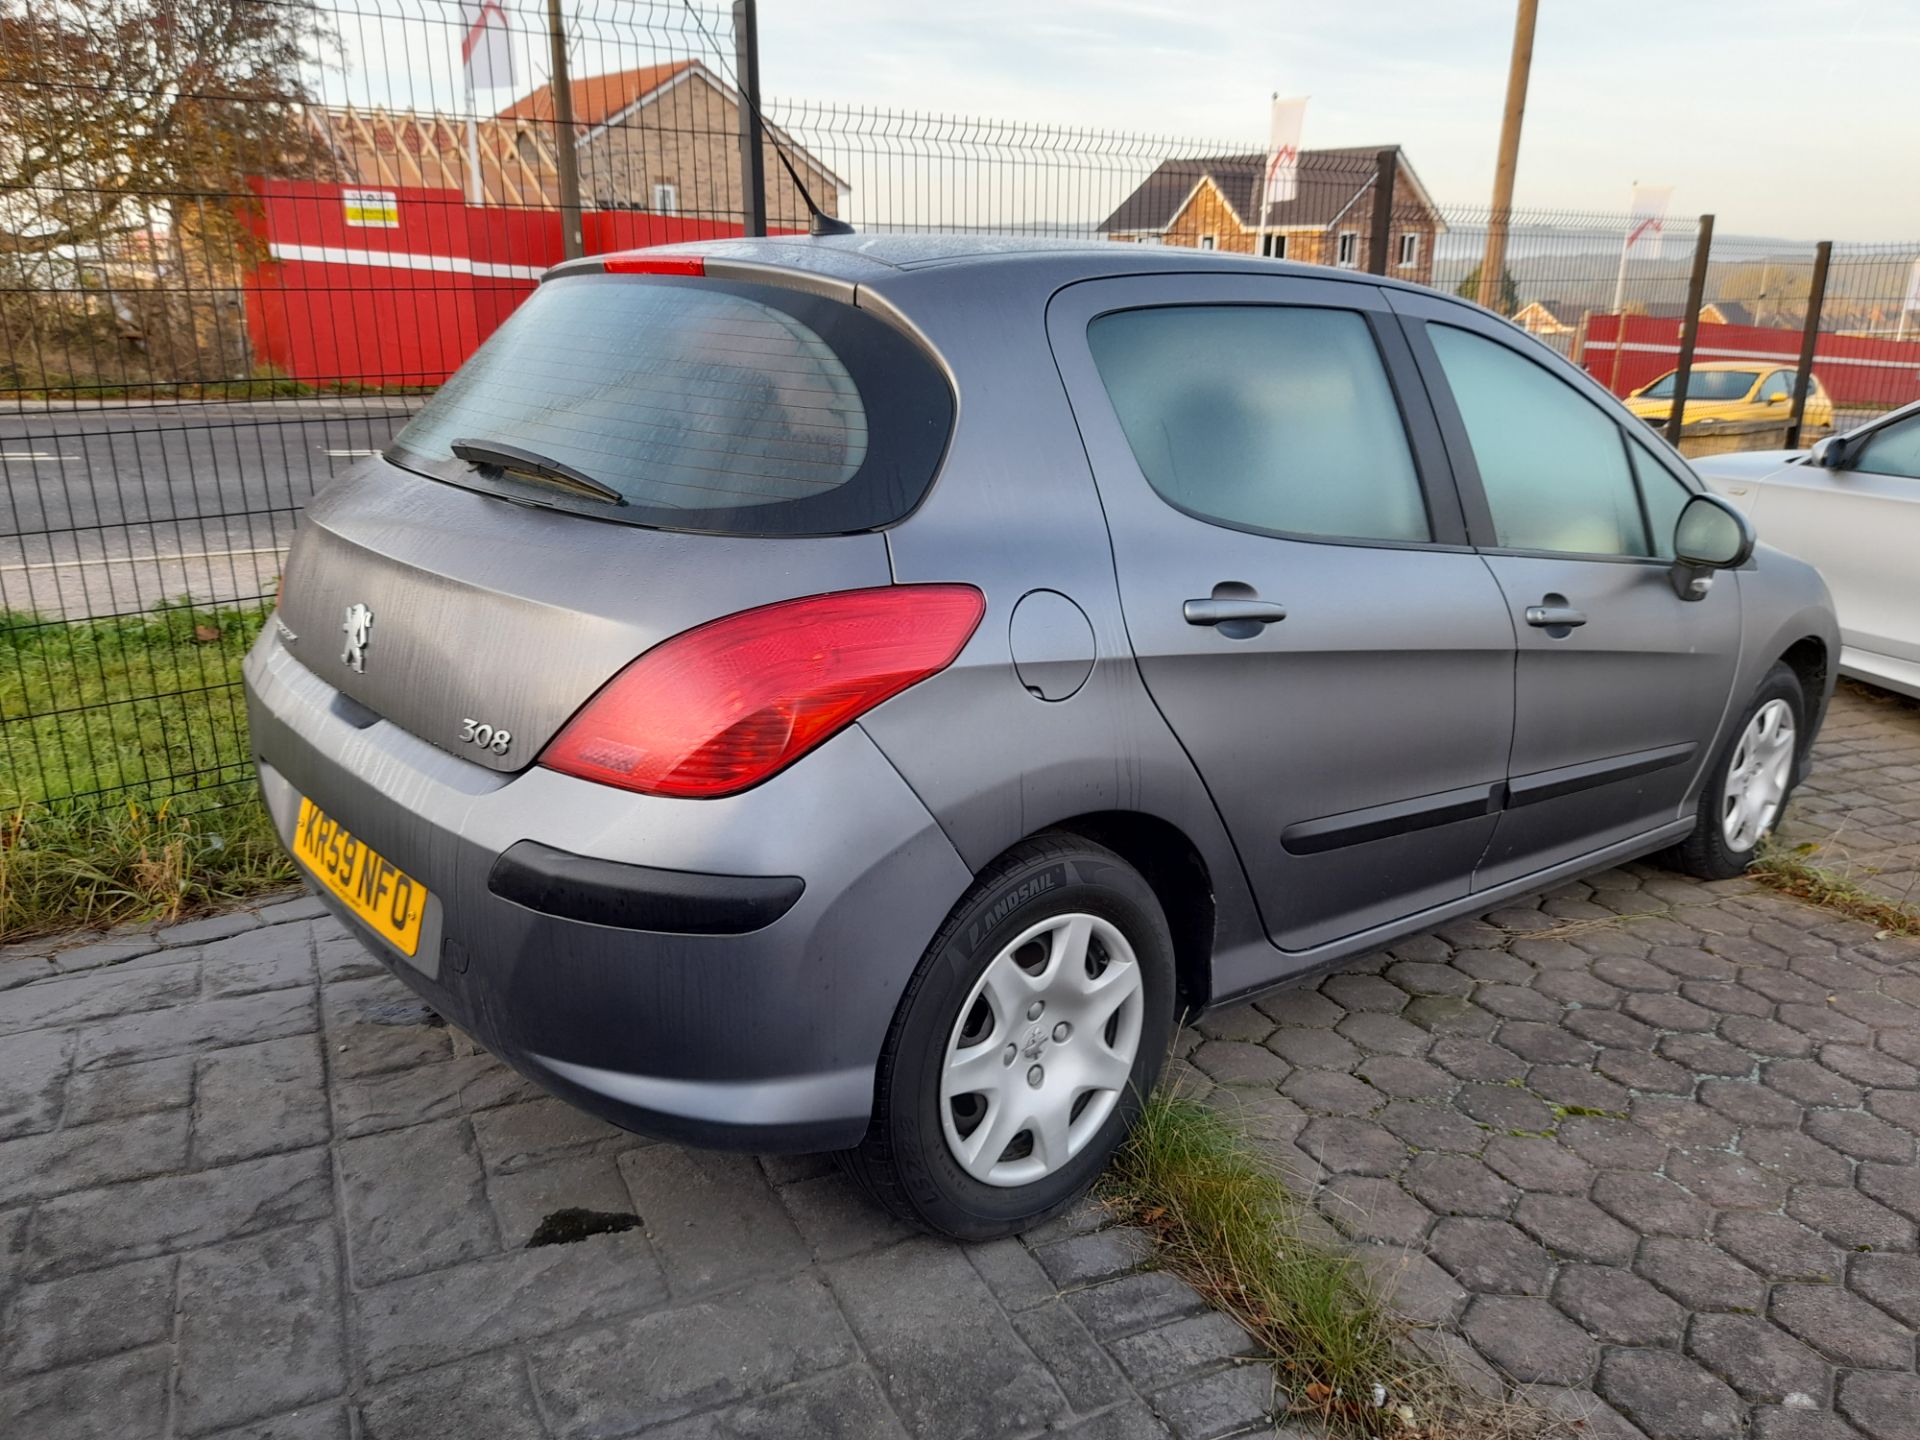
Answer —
1469 289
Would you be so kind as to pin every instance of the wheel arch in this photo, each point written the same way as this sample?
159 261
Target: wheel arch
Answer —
1177 872
1808 659
1812 664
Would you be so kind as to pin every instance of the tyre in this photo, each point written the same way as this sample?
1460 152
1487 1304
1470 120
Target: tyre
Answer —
1035 1024
1748 786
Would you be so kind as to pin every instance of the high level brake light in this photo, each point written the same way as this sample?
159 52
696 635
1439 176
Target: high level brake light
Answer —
654 265
720 708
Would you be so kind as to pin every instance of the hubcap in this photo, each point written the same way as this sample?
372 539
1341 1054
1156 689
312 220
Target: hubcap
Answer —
1042 1051
1758 777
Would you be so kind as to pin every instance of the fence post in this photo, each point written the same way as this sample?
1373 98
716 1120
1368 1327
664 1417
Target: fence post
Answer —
1385 164
1689 326
572 242
1809 338
753 158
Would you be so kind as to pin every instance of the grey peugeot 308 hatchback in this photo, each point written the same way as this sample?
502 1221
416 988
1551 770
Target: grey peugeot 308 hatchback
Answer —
857 694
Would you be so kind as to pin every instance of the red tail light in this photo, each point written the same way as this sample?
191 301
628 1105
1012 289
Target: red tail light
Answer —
724 706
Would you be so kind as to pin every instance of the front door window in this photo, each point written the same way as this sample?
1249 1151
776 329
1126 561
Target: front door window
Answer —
1551 461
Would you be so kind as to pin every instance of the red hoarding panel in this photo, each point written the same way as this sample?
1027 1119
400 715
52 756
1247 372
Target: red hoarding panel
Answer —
1869 371
396 286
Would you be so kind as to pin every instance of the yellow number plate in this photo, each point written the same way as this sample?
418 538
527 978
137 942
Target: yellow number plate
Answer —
374 888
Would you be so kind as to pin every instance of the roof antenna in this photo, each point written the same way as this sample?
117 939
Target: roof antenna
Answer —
818 221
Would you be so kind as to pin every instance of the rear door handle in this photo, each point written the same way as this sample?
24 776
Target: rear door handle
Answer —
1222 612
1548 617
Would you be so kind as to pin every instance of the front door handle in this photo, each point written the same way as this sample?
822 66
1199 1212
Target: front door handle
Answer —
1550 617
1231 611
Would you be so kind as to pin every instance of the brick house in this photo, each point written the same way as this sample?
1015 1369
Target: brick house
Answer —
664 139
1549 319
1213 203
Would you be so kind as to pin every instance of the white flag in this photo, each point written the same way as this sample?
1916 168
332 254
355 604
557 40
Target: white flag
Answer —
1912 302
487 47
1283 151
1648 221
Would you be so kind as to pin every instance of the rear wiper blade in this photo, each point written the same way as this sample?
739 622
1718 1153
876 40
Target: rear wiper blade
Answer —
526 465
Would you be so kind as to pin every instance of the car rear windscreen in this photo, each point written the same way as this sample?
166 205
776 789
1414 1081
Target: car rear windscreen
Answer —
706 405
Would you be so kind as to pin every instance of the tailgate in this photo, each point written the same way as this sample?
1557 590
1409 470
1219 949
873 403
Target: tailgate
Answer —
477 611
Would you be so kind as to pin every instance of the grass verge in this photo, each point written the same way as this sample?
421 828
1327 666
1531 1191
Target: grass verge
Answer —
141 706
103 723
1226 1223
132 863
1787 870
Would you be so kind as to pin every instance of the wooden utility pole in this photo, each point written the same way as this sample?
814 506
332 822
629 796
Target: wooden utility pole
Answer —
572 242
1493 265
1385 163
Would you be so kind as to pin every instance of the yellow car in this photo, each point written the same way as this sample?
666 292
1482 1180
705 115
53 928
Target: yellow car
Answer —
1735 390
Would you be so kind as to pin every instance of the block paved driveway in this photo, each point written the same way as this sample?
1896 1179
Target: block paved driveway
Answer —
1644 1145
1861 806
1641 1141
256 1189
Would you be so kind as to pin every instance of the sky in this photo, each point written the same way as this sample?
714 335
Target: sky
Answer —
1796 118
1791 118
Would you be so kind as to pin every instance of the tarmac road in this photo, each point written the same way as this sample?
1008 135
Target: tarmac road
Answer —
108 509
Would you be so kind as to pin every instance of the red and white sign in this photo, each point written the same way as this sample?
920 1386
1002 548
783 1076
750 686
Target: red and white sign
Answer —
486 50
374 209
1283 150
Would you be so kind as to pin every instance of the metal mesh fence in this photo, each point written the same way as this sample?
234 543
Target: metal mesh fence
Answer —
240 239
1872 308
197 332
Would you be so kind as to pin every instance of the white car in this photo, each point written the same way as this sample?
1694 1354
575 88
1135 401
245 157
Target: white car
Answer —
1851 507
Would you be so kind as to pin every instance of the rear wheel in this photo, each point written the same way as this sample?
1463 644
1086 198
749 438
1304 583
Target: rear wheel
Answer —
1037 1020
1748 787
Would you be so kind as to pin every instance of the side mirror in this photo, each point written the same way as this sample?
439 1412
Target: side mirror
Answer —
1829 453
1710 535
1778 397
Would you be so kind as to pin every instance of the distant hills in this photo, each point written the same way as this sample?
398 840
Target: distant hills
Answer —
1578 266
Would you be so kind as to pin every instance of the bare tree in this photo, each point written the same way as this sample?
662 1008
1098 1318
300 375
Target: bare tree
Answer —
128 132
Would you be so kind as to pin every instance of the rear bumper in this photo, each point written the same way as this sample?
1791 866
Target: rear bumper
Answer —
720 972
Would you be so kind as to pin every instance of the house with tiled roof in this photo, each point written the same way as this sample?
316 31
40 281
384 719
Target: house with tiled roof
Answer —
665 138
1547 318
660 138
1213 202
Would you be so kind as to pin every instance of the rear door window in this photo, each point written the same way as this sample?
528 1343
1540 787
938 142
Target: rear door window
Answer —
1276 419
706 405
